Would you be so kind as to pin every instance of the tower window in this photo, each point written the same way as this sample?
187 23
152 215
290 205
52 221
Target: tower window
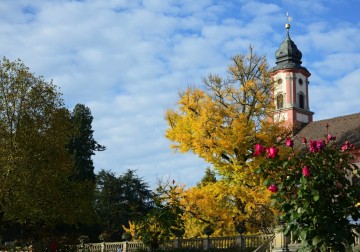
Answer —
301 101
300 81
279 101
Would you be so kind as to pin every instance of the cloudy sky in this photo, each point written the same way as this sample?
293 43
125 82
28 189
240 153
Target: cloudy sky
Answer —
127 59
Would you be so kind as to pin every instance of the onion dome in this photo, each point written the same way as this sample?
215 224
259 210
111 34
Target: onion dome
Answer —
288 56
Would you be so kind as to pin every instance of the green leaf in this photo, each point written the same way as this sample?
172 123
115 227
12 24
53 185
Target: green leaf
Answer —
285 164
296 233
288 229
315 219
300 193
273 202
258 170
303 235
267 182
316 197
316 240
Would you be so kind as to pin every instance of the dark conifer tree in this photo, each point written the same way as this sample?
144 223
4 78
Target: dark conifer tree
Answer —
82 144
120 199
209 177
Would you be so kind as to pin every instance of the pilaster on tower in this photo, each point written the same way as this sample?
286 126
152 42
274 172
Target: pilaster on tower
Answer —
291 94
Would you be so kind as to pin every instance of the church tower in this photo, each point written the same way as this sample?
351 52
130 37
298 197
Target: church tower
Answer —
291 94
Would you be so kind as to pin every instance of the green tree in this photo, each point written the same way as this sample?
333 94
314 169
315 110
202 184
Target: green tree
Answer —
120 199
209 177
107 199
135 196
164 220
82 144
35 128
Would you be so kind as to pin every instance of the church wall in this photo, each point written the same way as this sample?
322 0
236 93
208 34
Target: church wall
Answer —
302 118
281 117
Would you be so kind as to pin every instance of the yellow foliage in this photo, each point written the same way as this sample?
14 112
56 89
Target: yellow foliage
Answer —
221 124
131 229
222 205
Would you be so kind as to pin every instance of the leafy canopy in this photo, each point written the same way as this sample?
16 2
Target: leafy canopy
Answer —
164 220
223 121
35 166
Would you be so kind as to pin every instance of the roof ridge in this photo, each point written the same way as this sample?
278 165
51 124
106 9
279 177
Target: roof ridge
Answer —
348 115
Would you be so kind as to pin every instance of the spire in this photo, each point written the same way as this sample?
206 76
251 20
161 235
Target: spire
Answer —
288 55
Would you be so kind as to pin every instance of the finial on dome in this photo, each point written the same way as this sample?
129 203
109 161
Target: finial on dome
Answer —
288 56
287 25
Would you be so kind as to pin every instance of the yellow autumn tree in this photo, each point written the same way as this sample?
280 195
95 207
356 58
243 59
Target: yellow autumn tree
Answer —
222 122
222 206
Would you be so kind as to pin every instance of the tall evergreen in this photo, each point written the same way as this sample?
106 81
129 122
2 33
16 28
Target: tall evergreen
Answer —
82 144
209 177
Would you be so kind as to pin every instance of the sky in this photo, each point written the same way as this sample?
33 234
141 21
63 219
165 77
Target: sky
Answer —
127 60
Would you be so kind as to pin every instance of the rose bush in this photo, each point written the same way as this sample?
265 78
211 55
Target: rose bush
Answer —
313 192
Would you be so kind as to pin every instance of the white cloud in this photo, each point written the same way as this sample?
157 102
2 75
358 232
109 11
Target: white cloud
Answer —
334 65
339 99
127 60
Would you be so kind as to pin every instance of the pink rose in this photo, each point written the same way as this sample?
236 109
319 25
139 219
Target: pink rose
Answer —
313 146
320 145
259 149
330 138
303 140
316 146
273 188
344 147
305 171
271 152
347 146
289 142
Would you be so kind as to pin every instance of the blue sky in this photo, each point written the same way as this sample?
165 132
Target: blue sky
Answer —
128 59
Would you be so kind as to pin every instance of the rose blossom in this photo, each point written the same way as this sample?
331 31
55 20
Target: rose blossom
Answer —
259 149
303 140
344 147
289 142
305 171
313 146
330 137
320 145
316 146
273 188
347 146
271 152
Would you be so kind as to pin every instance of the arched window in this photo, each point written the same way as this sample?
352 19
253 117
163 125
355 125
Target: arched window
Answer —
279 101
301 101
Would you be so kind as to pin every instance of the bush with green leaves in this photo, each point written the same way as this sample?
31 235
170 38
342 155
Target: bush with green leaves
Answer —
164 220
313 192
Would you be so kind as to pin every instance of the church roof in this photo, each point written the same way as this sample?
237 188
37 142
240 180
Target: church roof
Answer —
288 56
344 128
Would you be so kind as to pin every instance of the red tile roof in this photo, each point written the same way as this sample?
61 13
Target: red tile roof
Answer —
344 128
